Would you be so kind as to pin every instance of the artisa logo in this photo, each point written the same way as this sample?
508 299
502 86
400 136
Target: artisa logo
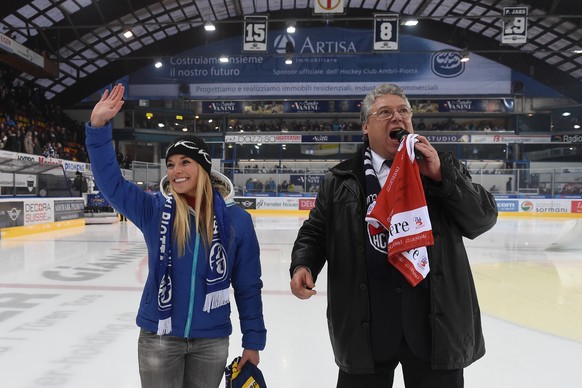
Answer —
312 45
447 64
527 206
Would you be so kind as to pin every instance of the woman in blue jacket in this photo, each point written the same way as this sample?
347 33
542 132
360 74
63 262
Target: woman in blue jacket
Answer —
198 245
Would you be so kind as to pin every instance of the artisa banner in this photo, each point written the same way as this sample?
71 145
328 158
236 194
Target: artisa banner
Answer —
327 61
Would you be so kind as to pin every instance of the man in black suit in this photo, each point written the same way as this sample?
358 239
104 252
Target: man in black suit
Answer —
376 318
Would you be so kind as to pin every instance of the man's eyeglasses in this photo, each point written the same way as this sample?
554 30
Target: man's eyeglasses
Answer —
388 113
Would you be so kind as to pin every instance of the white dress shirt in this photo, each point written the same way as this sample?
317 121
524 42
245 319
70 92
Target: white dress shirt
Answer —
380 168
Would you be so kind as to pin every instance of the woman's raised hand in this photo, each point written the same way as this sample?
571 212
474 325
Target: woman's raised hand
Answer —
108 106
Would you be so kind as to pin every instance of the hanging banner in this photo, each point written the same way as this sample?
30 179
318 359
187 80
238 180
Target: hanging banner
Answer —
328 6
328 61
386 32
13 47
514 25
255 34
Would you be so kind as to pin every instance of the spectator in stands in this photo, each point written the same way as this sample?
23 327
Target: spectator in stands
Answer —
9 122
12 143
119 157
80 184
544 189
48 150
82 154
3 136
270 185
195 240
59 151
285 186
126 162
36 148
250 186
509 185
28 143
377 319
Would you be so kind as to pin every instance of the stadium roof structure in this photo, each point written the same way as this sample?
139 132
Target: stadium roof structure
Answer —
84 38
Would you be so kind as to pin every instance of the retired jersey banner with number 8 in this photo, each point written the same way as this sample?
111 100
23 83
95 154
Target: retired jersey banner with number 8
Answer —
386 32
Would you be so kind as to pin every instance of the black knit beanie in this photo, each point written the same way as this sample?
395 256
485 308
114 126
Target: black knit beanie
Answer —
192 147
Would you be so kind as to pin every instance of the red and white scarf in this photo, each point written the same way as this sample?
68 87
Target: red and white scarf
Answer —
401 209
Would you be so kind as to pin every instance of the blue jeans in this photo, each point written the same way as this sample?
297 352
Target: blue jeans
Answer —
177 362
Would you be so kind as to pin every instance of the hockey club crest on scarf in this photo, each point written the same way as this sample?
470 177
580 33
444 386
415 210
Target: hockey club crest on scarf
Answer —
217 276
377 235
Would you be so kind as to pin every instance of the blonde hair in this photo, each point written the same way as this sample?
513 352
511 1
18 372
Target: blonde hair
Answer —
203 213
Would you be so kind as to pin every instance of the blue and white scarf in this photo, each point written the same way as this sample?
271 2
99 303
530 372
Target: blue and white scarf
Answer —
164 268
217 279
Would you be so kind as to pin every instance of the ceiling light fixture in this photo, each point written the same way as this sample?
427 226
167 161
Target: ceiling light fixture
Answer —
223 59
410 22
208 26
465 56
158 64
128 34
291 29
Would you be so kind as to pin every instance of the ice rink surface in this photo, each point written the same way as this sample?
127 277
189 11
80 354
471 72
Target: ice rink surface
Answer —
68 301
